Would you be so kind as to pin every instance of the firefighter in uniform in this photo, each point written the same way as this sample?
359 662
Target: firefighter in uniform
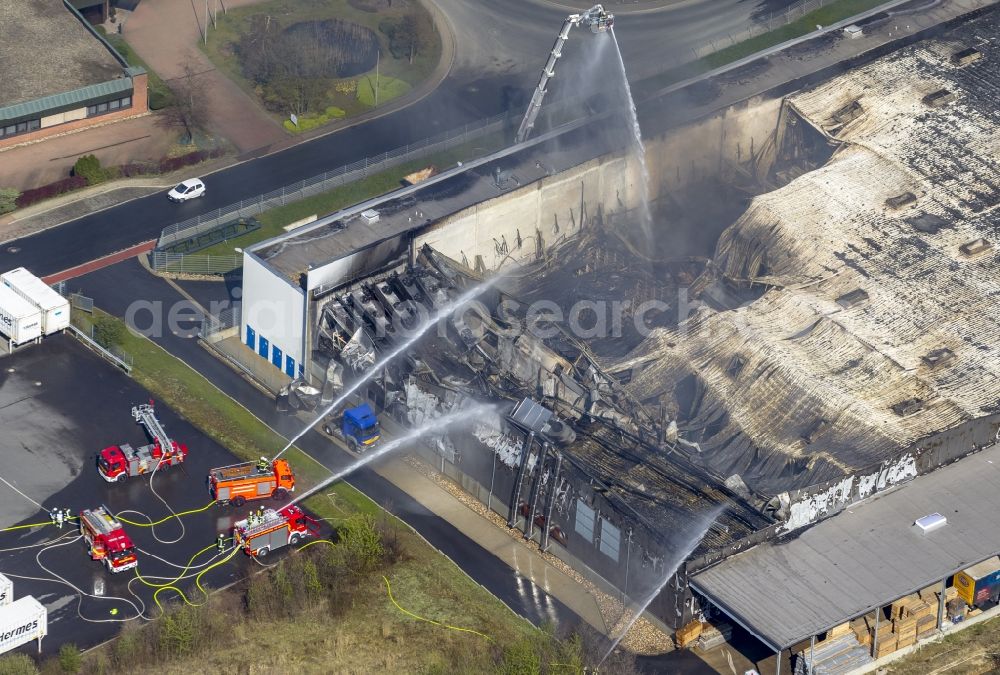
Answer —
263 465
220 543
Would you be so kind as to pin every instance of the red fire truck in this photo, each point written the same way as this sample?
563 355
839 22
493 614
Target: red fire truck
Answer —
107 539
118 463
258 535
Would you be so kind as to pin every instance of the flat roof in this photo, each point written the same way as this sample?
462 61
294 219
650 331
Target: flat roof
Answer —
864 557
47 50
431 200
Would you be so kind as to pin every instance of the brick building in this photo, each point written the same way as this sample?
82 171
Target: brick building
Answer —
60 74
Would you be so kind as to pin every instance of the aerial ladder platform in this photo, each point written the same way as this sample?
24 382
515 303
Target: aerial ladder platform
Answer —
599 21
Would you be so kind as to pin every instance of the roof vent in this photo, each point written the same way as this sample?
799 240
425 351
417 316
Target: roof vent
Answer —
900 201
938 357
939 98
852 299
848 113
971 248
934 521
966 56
370 216
908 407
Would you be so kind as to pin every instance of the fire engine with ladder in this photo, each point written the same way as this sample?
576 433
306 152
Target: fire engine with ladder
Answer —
120 462
107 539
259 535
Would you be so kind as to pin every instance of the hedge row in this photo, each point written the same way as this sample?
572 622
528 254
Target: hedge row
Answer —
165 165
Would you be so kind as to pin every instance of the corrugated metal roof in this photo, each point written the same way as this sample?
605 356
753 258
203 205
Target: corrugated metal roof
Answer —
863 557
65 100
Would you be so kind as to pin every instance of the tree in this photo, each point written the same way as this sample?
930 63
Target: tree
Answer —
8 200
190 110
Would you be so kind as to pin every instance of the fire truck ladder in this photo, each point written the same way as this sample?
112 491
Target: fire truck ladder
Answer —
599 21
146 416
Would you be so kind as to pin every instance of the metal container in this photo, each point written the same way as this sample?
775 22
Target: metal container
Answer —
977 584
20 320
54 307
21 622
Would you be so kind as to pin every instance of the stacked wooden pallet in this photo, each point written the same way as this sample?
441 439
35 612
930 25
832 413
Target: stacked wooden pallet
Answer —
714 635
903 623
834 655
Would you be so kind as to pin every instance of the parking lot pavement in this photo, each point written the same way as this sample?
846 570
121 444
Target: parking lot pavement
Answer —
81 406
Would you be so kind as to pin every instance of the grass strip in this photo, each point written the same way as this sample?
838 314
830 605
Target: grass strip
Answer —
824 16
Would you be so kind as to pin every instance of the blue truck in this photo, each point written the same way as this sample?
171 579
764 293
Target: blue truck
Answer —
360 427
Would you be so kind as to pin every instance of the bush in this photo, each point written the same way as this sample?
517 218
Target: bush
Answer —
8 199
17 664
520 658
360 543
109 331
160 98
89 167
169 164
70 660
44 192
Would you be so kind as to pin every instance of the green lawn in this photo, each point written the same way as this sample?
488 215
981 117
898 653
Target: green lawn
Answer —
388 89
347 94
832 13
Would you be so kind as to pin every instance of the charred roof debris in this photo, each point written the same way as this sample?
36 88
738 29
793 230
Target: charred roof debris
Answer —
841 339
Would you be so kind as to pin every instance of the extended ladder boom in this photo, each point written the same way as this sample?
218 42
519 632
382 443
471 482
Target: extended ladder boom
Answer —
599 21
146 416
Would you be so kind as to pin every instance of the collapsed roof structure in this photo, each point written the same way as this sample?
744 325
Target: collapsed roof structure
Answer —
875 330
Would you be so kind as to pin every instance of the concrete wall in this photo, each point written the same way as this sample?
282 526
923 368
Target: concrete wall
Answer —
711 146
516 225
274 310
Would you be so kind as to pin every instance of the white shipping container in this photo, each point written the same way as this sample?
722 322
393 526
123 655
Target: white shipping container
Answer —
54 307
21 622
20 320
6 590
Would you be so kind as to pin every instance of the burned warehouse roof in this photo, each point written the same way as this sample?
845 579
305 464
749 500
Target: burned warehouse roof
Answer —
877 327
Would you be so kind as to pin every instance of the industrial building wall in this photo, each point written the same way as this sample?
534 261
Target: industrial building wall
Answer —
351 267
272 321
518 225
712 146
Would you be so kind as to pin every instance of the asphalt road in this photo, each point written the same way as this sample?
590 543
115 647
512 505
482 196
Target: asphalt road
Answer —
501 48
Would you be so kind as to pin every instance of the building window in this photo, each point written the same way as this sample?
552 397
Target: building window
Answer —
610 539
19 128
109 106
584 521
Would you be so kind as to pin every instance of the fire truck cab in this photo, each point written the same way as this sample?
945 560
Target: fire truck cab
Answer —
258 536
240 483
107 539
